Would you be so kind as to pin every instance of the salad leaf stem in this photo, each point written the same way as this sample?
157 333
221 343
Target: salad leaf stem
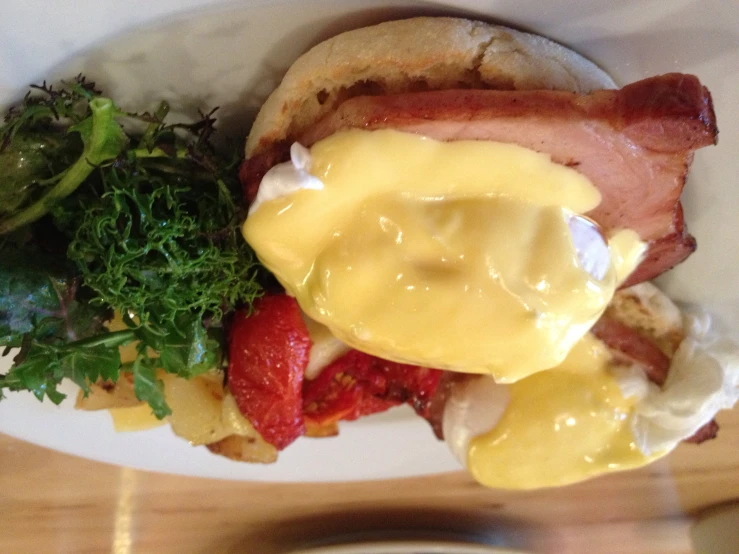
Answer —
103 140
110 340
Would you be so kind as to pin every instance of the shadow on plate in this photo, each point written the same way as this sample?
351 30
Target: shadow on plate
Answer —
347 526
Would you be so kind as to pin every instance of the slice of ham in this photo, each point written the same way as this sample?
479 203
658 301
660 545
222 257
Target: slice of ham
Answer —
435 413
629 346
665 252
635 144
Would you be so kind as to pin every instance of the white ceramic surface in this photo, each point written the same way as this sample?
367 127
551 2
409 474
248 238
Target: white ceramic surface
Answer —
205 53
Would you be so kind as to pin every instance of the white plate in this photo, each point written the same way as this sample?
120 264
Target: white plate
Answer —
232 55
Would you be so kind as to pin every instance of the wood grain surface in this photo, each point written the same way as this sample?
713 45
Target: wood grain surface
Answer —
53 502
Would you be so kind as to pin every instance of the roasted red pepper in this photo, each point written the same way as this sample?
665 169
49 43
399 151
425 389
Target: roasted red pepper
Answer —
358 384
268 354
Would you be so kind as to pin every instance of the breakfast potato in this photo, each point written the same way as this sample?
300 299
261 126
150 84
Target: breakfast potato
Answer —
245 449
105 395
196 406
205 413
317 431
244 444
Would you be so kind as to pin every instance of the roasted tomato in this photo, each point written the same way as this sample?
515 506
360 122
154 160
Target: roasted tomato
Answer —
268 354
358 384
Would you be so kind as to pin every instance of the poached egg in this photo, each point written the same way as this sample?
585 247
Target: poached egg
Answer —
590 416
471 256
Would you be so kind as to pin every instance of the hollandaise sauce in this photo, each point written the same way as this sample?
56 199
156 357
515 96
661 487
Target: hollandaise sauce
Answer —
560 426
454 255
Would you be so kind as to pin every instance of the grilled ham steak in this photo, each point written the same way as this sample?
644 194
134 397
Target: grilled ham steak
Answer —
635 144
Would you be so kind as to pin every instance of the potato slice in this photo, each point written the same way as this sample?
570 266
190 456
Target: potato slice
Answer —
245 449
245 444
234 420
134 418
196 407
105 395
316 431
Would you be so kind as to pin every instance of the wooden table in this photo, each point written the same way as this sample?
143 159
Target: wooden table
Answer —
52 502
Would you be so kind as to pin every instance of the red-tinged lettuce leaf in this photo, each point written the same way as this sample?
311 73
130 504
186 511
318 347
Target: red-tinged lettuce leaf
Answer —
39 298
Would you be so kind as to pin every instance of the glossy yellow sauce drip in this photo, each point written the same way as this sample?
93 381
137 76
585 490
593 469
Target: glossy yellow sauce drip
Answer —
626 252
451 255
561 426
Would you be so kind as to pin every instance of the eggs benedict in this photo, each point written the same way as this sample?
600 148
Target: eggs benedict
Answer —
442 194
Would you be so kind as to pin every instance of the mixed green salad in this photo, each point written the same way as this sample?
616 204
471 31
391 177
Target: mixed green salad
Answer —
107 212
